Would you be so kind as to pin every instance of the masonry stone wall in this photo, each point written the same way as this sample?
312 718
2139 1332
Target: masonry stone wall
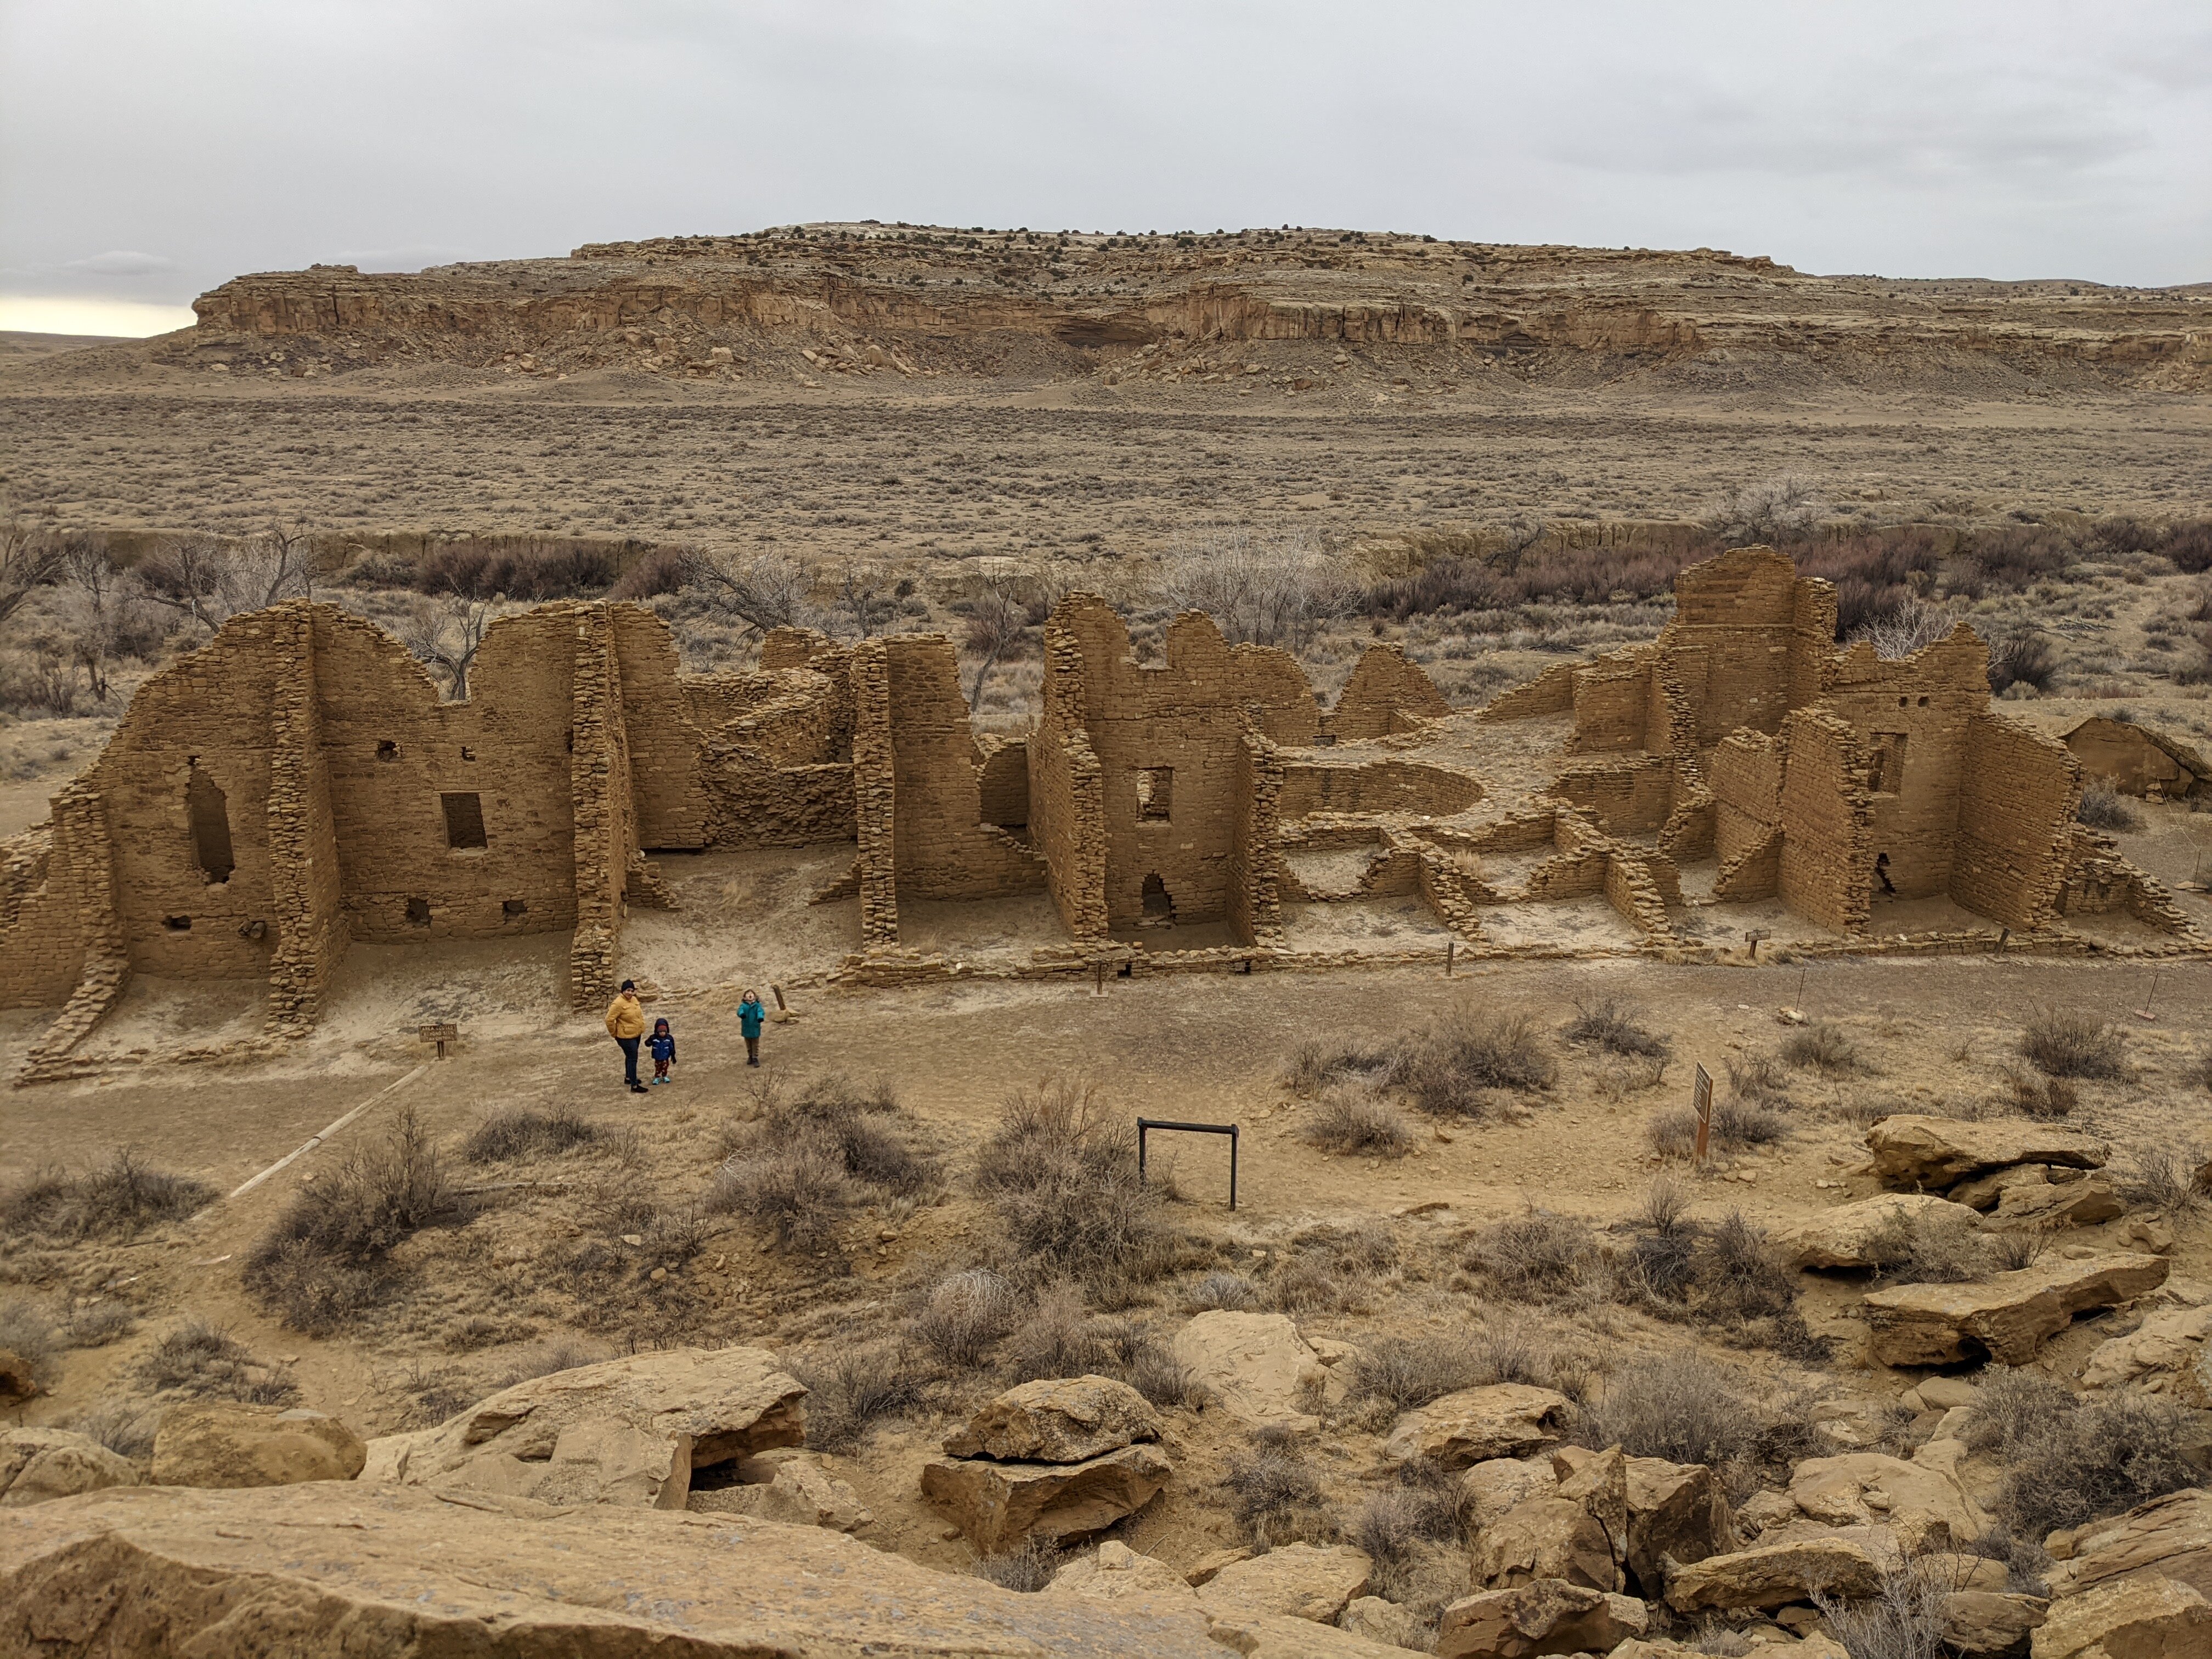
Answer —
1332 784
2015 816
945 850
1387 693
1827 857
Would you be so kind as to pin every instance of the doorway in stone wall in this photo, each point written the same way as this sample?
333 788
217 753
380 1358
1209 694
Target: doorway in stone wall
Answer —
1158 902
206 810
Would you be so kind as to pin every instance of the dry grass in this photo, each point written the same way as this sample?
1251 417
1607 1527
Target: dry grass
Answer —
526 1131
2063 1042
1275 1494
1537 1257
1454 1067
126 1427
1060 1172
798 1168
1220 1291
2159 1178
2074 1460
1823 1047
1025 1570
118 1199
1680 1406
26 1333
965 1317
2104 808
2044 1097
202 1361
1907 1253
1738 1124
854 1388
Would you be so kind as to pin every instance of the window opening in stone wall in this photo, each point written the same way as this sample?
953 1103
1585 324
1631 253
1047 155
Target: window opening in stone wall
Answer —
178 924
465 826
1155 791
468 754
1881 874
418 912
1160 903
513 909
1887 771
208 811
387 749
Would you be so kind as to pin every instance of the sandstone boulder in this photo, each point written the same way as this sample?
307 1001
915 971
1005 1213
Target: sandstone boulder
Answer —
1061 1421
1299 1581
2170 1354
1384 1623
2007 1315
1504 1419
1546 1616
1114 1575
1911 1150
1599 1482
2140 1619
18 1379
1280 1636
39 1464
1856 1235
391 1571
1542 1539
2089 1201
1774 1574
1987 1622
1987 1192
225 1444
2169 1537
1255 1365
627 1431
1494 1486
997 1505
1953 1572
1924 1506
785 1486
1677 1511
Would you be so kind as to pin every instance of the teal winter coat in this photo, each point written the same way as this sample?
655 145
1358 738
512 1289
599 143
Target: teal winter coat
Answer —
751 1016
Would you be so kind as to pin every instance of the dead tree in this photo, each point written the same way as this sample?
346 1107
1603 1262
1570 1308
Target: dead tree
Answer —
446 633
28 559
997 630
766 591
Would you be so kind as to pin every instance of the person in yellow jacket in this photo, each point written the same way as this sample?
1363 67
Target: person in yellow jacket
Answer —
626 1025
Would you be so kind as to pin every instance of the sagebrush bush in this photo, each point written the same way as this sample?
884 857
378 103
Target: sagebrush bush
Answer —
126 1427
526 1131
1907 1253
1822 1047
2043 1097
2104 807
1275 1494
1355 1124
26 1333
2065 1042
326 1259
2158 1178
1412 1371
116 1198
807 1160
1061 1170
1680 1406
1614 1024
1420 1508
965 1317
203 1361
801 1195
1054 1337
1025 1569
1537 1257
1223 1290
2074 1460
854 1388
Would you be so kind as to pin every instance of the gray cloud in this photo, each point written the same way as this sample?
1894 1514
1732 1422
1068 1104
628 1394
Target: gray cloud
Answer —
1947 136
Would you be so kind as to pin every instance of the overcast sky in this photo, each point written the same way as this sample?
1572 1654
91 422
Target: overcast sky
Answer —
150 148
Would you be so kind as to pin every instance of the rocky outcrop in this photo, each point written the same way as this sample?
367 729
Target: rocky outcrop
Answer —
1553 1538
2169 1537
786 1485
1863 1235
997 1505
1921 1503
1678 1512
1061 1420
1300 1581
2007 1316
1775 1575
627 1431
2046 1198
1934 1153
223 1443
1504 1419
2170 1354
390 1572
1976 1622
1259 1368
1490 1488
1546 1617
2145 1618
37 1465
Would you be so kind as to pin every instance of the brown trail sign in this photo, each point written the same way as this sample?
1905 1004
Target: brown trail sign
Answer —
1702 1100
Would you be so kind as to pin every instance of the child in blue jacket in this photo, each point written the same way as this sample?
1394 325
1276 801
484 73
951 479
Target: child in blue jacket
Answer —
751 1017
661 1045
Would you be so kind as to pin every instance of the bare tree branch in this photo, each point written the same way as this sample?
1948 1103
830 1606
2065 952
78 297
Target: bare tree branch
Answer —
764 592
446 633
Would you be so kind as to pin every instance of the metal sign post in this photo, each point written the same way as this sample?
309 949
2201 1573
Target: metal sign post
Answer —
1702 1099
1147 1124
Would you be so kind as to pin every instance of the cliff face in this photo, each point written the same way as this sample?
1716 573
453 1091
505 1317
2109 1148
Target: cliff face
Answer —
911 299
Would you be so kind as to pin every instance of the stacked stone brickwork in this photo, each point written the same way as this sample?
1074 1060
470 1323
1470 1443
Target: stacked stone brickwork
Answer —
945 846
1388 693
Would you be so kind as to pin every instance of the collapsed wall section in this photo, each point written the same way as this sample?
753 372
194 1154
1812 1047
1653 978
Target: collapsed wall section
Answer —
1387 694
2016 805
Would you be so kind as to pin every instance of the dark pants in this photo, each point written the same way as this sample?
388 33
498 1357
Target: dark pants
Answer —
752 1051
629 1045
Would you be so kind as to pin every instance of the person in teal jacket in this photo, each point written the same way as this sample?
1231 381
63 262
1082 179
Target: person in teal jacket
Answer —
751 1017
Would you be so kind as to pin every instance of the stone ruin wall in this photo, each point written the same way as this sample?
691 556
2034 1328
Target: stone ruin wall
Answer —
2016 806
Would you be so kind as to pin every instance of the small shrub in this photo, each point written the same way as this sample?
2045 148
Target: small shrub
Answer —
1395 1523
1274 1495
2062 1042
1665 1202
1672 1133
1447 1068
2157 1179
26 1333
1353 1124
1025 1569
1537 1257
205 1362
325 1260
2044 1097
557 1354
1822 1047
1739 1123
1154 1372
1054 1337
1907 1253
525 1133
1758 1076
799 1195
1223 1290
854 1389
1680 1406
1411 1371
1062 1176
1614 1024
1315 1065
2104 807
2022 656
2016 1248
116 1198
125 1427
1903 1619
2074 1460
97 1325
966 1316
